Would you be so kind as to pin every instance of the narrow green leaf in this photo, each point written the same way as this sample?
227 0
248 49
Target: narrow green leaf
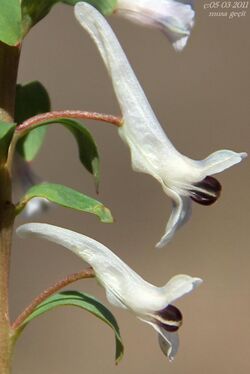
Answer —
83 301
10 21
87 149
6 133
34 10
29 146
31 99
106 7
68 198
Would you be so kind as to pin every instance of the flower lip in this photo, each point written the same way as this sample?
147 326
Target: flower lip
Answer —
169 318
208 191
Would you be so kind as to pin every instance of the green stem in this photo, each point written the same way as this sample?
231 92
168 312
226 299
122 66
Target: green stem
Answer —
9 58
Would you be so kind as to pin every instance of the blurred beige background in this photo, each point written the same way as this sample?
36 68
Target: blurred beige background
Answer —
201 98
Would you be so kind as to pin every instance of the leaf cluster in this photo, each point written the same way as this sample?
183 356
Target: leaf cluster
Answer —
18 17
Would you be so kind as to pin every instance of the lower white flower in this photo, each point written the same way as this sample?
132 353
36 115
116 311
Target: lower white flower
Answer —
182 178
124 287
173 17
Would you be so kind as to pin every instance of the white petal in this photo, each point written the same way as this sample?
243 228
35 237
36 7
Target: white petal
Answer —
181 211
179 286
180 43
169 343
178 23
36 206
114 299
140 124
91 251
173 17
221 160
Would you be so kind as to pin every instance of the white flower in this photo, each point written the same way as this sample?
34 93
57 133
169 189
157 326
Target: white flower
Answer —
23 179
152 152
173 17
124 287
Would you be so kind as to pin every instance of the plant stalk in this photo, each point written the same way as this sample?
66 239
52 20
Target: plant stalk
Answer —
7 214
9 58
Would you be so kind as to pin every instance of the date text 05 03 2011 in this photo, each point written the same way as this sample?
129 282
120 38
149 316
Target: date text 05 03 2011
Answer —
226 5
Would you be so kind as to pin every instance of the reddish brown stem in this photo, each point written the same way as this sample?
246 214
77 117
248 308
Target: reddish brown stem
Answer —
36 120
88 273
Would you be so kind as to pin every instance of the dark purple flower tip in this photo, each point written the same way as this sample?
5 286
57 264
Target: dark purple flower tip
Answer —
169 318
210 191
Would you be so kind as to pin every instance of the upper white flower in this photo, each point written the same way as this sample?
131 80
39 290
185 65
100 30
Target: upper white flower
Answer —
152 152
173 17
124 287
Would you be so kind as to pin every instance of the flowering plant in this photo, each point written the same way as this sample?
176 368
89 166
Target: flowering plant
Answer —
25 117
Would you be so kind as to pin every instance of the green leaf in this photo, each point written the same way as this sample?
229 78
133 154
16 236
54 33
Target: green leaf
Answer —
10 22
34 10
6 134
83 301
87 149
31 99
106 7
29 146
68 198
